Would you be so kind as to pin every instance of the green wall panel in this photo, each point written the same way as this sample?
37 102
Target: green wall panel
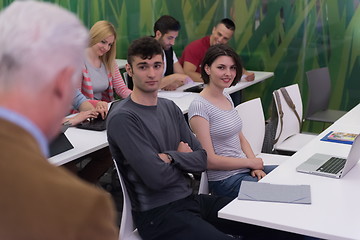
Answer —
288 37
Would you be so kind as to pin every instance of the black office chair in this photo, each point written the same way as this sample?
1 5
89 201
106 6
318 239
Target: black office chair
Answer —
319 83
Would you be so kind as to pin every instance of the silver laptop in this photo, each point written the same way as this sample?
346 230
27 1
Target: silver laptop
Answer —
332 166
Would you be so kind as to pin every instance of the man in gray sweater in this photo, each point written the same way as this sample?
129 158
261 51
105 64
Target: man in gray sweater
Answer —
155 150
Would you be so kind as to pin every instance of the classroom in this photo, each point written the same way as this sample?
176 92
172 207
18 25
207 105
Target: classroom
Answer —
227 141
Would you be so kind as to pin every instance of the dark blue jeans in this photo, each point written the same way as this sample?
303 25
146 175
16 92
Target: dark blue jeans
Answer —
230 186
195 218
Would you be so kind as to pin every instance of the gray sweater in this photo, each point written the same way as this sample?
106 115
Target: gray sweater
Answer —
136 135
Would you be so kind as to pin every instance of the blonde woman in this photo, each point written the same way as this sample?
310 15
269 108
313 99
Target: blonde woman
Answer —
101 76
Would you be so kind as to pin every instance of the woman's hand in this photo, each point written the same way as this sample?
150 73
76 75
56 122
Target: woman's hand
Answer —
256 163
258 173
82 116
102 108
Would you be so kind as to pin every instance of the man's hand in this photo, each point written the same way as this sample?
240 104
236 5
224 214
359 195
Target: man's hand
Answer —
258 173
249 76
164 157
102 108
184 147
173 81
171 87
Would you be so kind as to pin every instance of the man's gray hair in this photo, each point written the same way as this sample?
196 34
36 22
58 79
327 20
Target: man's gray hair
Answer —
37 41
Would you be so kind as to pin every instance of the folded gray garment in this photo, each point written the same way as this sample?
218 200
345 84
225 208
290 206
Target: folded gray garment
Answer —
258 191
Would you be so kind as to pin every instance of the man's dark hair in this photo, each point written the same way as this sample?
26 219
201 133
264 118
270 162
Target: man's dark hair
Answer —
145 48
229 24
166 23
216 51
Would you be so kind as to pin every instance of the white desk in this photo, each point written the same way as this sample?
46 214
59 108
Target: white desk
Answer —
84 142
352 117
184 99
259 77
181 99
320 219
121 63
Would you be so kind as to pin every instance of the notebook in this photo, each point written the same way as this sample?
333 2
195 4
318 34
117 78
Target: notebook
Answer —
60 144
97 124
331 166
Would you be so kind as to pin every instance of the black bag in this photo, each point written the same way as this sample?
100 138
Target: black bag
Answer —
270 130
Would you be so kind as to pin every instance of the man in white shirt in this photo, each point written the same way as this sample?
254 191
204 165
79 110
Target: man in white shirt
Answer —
166 30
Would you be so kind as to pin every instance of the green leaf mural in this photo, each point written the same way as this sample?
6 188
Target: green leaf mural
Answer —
287 37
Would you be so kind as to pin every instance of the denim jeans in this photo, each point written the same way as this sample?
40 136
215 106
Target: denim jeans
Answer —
230 186
196 218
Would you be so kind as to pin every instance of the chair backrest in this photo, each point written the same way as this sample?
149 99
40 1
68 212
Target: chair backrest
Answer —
290 122
253 128
204 184
127 227
319 85
128 80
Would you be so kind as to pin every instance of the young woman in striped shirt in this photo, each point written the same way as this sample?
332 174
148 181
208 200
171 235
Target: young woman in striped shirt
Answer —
217 125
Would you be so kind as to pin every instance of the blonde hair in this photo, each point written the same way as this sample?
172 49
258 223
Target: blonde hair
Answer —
98 32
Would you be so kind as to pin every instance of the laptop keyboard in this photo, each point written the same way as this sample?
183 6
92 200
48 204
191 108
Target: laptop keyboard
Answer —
333 165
